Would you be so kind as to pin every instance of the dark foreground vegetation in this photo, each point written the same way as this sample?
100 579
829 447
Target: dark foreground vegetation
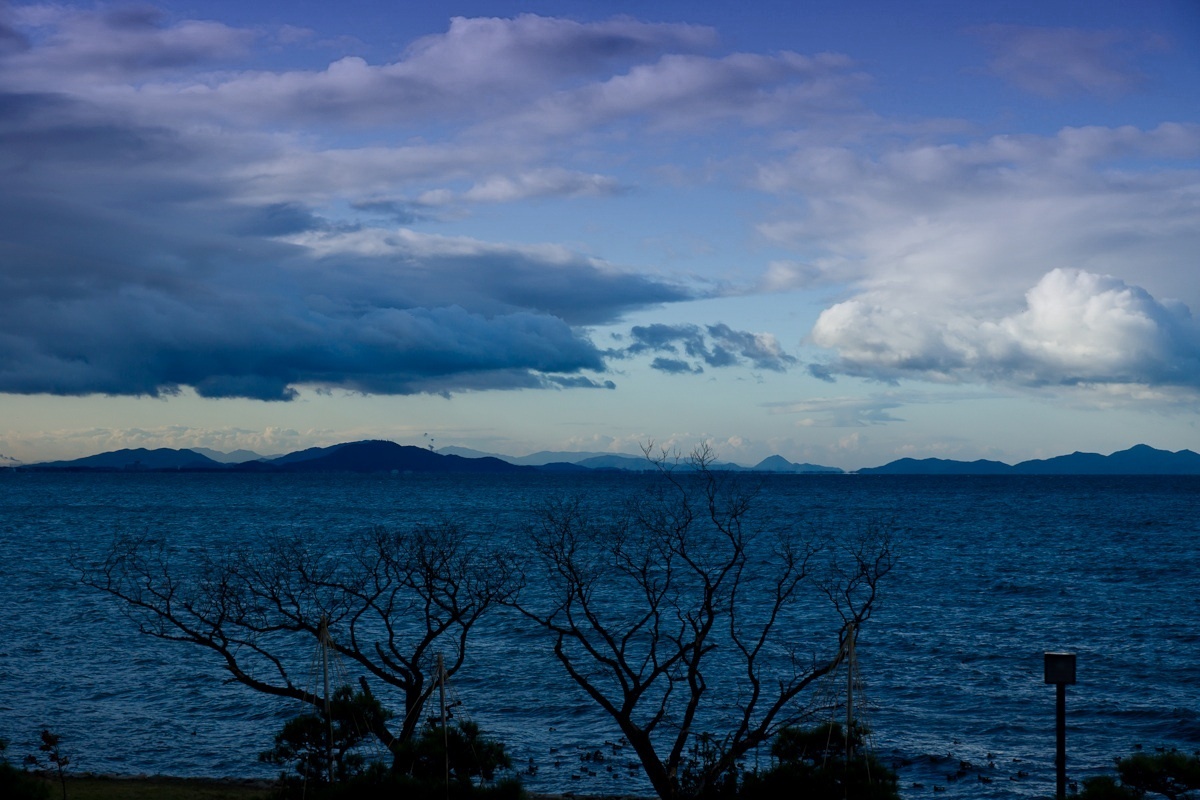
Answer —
460 764
817 764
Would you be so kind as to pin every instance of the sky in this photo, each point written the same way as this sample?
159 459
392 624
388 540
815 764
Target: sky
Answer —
841 232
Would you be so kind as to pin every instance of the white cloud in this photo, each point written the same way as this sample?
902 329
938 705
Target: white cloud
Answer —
475 70
936 246
1077 329
540 183
841 412
73 46
688 92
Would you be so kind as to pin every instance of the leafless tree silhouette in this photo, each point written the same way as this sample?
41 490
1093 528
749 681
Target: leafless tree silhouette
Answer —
391 600
648 603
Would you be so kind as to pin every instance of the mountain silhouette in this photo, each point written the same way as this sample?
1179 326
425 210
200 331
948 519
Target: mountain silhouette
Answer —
137 460
1140 459
381 456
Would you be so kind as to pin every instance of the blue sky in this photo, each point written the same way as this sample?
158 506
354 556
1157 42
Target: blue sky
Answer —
841 232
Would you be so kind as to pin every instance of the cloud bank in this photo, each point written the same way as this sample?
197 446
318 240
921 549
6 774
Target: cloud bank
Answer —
174 216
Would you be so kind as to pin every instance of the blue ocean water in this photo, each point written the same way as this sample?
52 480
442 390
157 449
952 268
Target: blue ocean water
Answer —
992 572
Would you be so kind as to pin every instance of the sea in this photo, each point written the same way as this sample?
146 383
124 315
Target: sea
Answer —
991 573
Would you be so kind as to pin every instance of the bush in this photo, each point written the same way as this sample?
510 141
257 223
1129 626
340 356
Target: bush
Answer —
305 741
418 769
1168 773
18 785
469 754
812 763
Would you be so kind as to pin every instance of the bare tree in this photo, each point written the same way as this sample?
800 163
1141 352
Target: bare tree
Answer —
391 601
649 603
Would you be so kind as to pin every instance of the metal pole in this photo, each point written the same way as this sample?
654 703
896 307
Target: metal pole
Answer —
323 635
1060 670
441 667
1060 759
850 694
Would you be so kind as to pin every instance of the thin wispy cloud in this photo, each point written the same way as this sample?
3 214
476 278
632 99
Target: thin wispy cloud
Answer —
840 412
1057 62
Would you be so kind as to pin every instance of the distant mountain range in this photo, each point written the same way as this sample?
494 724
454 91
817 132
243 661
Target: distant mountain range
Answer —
368 456
1138 460
384 456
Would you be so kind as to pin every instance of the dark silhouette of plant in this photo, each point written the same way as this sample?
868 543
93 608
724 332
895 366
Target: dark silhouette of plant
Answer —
52 746
392 601
704 773
16 784
457 762
1168 773
307 742
813 764
460 749
645 602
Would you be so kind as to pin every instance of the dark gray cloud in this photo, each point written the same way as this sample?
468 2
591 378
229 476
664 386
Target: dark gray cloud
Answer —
164 225
579 382
713 346
397 211
130 264
675 366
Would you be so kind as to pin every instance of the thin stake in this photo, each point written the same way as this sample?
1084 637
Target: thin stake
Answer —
850 693
441 667
325 639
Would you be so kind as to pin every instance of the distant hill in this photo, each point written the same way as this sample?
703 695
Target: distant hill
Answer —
939 466
781 464
384 456
304 455
1138 460
627 463
554 460
232 457
379 456
139 459
467 452
538 459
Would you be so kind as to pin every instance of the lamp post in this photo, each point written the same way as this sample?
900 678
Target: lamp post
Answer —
1060 670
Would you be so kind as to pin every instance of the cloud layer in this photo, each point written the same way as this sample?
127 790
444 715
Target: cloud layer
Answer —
173 217
177 214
